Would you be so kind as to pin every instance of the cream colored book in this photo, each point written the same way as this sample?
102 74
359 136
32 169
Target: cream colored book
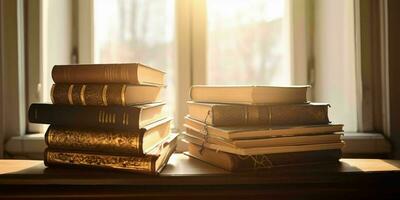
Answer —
249 94
265 150
267 142
253 132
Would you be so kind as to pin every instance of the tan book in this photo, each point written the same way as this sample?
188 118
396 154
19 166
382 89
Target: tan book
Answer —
151 163
249 94
129 73
264 150
232 162
267 142
271 115
134 142
104 94
253 132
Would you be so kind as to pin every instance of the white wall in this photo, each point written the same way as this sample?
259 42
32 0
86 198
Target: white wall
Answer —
335 78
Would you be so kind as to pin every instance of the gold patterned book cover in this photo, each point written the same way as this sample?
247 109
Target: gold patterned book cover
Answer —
151 163
134 142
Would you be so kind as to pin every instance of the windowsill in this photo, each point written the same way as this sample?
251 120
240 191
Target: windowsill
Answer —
32 146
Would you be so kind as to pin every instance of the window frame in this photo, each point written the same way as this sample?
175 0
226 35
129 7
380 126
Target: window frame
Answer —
191 59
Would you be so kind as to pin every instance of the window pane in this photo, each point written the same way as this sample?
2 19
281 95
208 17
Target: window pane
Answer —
137 31
246 42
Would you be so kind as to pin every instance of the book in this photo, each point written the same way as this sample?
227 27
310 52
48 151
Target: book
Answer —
253 132
134 142
272 115
268 141
151 163
264 150
232 162
103 117
129 73
104 94
251 95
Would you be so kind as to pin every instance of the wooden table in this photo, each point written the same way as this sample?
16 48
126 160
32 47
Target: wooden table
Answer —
186 177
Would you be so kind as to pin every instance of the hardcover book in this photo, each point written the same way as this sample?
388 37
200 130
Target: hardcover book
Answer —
253 132
267 141
103 117
151 163
232 162
104 94
252 95
264 150
271 115
133 142
129 73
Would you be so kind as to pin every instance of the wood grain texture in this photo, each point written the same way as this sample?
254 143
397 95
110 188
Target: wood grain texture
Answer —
185 177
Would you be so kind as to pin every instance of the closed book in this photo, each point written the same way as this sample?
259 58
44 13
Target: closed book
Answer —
253 132
103 117
151 163
273 141
232 162
251 95
129 73
104 94
271 115
264 150
134 142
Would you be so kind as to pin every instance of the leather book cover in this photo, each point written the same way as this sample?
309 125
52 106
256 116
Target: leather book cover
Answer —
151 163
102 117
268 115
129 73
104 94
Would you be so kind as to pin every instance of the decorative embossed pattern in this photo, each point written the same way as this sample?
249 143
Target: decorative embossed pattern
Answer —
90 94
135 164
99 141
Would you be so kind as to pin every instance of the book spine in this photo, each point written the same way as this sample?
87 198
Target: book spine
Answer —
100 74
141 164
99 117
124 142
88 94
270 115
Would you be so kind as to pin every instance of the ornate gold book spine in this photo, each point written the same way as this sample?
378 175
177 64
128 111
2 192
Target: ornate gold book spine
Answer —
88 94
126 142
141 164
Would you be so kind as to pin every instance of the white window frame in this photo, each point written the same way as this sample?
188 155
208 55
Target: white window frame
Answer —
191 59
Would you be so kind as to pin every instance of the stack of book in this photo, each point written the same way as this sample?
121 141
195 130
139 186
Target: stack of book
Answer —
106 116
243 128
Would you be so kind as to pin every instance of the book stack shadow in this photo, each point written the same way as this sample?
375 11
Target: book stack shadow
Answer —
245 128
108 116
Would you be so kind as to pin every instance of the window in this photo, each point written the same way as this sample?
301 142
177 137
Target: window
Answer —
245 43
137 31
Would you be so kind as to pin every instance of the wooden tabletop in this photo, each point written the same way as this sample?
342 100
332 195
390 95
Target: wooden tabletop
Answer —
186 177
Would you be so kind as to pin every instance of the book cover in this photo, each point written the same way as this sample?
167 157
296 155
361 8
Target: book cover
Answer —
268 115
133 142
103 117
151 163
129 73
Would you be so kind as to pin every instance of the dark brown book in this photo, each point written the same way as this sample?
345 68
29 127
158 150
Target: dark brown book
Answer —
133 142
233 162
104 94
268 115
151 163
129 73
103 117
